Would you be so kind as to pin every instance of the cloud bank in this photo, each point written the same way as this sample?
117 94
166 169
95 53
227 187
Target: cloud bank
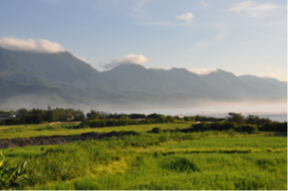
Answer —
31 45
129 59
277 74
188 17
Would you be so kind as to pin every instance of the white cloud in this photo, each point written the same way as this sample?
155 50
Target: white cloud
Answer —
268 75
129 59
31 45
186 16
253 9
202 71
81 58
277 74
205 4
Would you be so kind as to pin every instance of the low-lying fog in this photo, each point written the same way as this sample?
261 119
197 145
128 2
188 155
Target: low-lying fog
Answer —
274 111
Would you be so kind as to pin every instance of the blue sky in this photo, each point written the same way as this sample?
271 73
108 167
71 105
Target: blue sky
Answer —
243 37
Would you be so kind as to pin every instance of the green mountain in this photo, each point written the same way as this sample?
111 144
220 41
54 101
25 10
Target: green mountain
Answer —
60 68
135 78
61 79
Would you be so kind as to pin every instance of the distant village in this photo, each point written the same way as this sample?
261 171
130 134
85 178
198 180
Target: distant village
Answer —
4 116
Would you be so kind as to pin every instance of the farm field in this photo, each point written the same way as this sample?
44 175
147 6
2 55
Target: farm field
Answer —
23 131
164 160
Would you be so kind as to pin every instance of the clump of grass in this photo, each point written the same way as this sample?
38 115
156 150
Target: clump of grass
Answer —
179 164
114 167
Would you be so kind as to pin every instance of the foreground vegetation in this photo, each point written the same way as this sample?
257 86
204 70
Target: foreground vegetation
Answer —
164 160
146 152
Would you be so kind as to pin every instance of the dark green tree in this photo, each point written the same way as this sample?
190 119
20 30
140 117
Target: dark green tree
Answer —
236 118
93 114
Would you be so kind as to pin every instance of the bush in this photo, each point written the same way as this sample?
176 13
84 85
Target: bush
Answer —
274 126
201 127
137 116
12 177
223 126
155 130
216 126
179 164
122 122
249 128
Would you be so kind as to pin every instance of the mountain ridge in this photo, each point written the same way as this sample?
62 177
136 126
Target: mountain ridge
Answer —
128 84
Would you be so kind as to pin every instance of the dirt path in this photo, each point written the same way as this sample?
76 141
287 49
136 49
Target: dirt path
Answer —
55 140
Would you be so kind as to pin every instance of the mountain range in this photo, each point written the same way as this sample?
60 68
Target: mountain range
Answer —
29 79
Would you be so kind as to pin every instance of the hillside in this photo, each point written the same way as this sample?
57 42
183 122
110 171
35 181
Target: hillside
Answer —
67 80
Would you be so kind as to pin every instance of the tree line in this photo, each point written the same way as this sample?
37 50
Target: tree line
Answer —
104 119
38 116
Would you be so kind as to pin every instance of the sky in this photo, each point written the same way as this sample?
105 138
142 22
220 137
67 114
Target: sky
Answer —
242 37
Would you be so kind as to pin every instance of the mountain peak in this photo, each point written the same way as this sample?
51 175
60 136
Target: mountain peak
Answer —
218 70
128 66
156 68
178 69
58 67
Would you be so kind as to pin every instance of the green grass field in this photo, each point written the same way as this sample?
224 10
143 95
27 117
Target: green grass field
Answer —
166 160
23 131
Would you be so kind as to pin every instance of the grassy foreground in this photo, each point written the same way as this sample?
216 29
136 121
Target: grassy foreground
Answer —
165 160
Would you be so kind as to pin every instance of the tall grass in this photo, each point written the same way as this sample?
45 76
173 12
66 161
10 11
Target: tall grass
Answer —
192 172
258 142
166 160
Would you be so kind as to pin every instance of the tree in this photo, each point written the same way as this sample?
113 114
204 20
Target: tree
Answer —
137 116
252 119
50 115
93 114
236 118
22 110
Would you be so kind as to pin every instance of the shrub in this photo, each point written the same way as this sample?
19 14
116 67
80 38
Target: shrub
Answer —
122 122
137 116
274 126
12 177
223 126
201 127
249 128
179 164
155 130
